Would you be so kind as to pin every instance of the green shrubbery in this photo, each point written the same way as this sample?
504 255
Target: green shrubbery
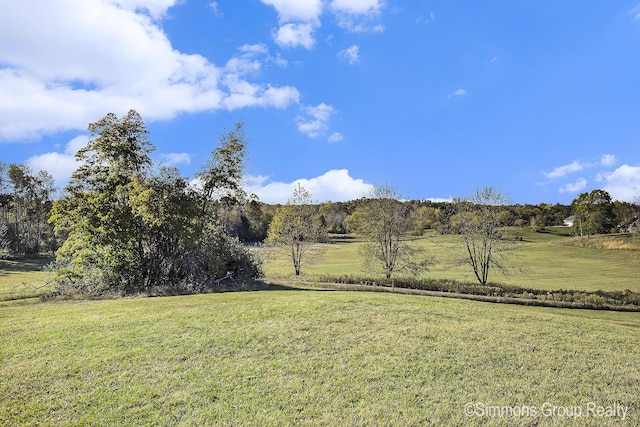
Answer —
626 300
133 229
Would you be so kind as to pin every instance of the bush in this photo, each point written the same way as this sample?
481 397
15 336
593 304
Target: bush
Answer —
598 299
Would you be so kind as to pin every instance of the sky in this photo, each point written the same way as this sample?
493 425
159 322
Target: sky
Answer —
540 99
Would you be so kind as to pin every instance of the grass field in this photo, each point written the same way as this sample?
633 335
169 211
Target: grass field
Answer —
22 278
550 264
291 357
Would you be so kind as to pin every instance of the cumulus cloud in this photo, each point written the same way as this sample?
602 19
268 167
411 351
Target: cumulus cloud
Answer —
350 54
562 171
623 183
296 10
358 16
298 19
357 7
335 185
293 35
314 120
59 164
174 159
575 187
52 79
336 137
608 160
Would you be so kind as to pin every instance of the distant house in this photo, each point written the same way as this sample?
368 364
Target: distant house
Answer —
568 221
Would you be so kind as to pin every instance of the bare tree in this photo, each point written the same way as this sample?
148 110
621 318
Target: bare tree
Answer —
296 227
485 243
386 224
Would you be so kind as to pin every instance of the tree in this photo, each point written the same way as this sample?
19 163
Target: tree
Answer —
221 176
105 238
132 230
636 206
485 244
25 200
385 223
593 213
296 227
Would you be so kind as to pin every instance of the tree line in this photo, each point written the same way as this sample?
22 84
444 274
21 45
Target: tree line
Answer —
26 199
128 225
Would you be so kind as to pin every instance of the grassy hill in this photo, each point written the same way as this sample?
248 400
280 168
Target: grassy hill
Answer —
552 261
292 357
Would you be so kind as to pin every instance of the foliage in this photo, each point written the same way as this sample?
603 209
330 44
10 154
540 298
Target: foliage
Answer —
485 243
593 213
385 223
297 228
25 200
221 177
132 230
499 292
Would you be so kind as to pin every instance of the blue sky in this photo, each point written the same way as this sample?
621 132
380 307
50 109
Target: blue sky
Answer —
538 98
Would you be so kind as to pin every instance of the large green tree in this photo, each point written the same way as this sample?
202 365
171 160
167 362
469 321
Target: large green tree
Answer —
105 243
132 228
593 213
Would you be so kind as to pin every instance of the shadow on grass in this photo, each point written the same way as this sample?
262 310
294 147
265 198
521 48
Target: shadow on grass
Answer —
27 265
281 287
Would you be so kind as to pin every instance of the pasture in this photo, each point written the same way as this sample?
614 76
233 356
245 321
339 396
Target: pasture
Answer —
551 260
297 357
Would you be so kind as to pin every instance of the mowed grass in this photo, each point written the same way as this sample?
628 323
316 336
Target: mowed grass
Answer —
286 357
23 277
548 264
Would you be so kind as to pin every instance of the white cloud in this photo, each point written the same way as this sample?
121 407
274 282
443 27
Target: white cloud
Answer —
335 185
357 7
296 10
59 165
173 159
458 92
350 54
53 80
562 171
293 35
636 13
623 183
216 11
608 160
315 121
439 199
155 8
358 16
426 19
576 187
336 137
299 18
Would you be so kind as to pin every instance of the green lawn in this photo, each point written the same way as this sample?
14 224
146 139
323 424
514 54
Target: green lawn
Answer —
292 357
21 278
548 264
